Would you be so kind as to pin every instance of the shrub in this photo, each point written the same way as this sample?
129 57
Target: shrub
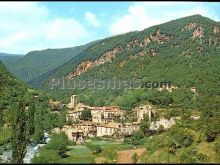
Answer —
86 115
137 138
217 145
178 138
58 142
95 148
135 158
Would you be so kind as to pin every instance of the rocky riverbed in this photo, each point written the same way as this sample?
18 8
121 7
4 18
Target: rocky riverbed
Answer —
32 149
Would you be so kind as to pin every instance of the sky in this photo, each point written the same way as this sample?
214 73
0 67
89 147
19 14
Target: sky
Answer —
28 26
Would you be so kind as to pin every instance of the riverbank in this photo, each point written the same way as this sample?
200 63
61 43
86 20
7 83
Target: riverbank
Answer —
32 150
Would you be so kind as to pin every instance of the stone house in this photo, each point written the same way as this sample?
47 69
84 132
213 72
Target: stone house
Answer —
113 112
129 128
168 88
73 115
87 127
108 129
142 110
71 132
99 114
78 132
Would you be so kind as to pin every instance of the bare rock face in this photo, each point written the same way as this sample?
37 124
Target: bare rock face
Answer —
199 32
160 38
153 52
110 55
189 26
216 30
143 53
130 44
107 56
88 64
166 123
147 40
81 68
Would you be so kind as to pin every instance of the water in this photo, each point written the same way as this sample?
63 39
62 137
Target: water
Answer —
6 156
32 149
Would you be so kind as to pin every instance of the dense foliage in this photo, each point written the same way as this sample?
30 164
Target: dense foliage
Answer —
24 117
36 63
54 151
182 60
184 65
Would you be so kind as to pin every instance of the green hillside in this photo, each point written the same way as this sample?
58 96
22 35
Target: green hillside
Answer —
181 59
36 63
23 117
8 59
11 90
185 52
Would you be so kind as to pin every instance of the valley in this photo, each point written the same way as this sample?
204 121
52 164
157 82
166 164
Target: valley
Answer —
174 124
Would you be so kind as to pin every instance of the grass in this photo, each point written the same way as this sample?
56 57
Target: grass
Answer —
157 151
4 136
208 150
159 156
82 154
110 151
102 143
78 154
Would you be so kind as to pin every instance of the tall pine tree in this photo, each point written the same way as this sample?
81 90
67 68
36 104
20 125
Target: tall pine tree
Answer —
30 118
19 133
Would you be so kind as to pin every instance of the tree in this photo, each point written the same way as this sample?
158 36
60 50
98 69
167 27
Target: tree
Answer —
19 134
145 124
38 123
95 148
137 138
180 138
30 121
38 134
135 158
58 142
212 129
86 115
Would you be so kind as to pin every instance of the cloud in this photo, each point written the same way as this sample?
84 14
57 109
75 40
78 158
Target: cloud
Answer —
141 15
62 29
137 18
27 26
91 18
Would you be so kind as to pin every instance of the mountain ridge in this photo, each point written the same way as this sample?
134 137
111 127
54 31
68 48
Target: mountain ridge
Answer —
179 51
35 63
170 29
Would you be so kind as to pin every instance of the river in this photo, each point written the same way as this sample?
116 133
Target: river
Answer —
32 149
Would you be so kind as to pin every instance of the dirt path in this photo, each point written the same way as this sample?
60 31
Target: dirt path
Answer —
125 156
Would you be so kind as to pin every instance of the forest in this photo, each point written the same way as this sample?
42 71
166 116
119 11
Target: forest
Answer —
183 57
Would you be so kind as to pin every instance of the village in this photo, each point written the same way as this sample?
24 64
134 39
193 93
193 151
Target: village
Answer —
106 121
